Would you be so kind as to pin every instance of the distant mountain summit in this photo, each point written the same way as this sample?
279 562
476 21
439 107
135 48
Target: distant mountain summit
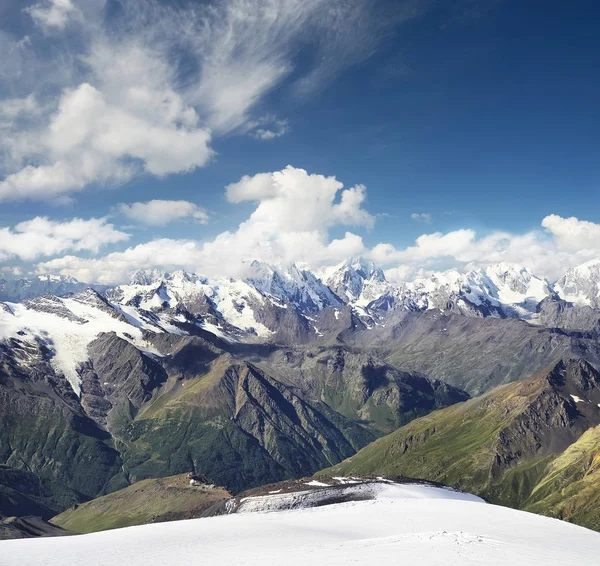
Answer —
16 290
358 282
581 285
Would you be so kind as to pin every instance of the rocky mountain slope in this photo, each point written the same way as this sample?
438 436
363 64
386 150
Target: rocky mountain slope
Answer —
156 395
28 527
531 445
23 493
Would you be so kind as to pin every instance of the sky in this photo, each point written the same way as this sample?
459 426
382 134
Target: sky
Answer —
422 134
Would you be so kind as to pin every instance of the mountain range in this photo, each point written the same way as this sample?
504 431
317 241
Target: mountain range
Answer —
274 376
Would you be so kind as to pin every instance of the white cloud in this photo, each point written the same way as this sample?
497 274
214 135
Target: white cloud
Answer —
405 272
114 267
569 242
291 223
421 217
268 128
13 271
40 237
135 123
148 95
53 14
161 212
292 220
292 201
12 108
572 233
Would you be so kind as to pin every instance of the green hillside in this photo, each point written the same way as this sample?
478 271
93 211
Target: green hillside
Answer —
148 501
533 444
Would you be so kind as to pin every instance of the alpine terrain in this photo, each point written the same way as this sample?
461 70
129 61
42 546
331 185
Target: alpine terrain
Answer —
286 372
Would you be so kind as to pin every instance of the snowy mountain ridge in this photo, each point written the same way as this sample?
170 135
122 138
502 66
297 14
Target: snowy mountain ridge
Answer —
278 305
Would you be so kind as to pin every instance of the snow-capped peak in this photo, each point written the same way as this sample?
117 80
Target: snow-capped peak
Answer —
367 269
358 281
581 284
299 287
146 276
501 289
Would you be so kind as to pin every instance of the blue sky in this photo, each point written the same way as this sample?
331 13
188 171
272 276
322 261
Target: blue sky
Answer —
480 116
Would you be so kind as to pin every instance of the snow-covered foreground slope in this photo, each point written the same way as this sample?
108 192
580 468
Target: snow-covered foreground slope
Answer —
405 524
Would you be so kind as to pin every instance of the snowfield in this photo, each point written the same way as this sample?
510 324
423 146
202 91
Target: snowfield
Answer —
404 524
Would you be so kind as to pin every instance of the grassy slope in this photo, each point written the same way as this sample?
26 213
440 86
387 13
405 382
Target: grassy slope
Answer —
570 488
188 423
155 500
456 446
452 446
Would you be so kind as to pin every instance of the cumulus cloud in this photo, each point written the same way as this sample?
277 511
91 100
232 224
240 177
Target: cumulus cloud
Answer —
144 89
294 213
421 217
572 233
40 237
132 122
161 212
567 242
292 200
292 221
12 271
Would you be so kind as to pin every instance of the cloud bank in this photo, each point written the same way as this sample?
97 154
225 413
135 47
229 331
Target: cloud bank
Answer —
294 214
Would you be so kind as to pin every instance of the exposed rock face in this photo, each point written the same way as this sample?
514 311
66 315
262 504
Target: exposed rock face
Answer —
298 287
24 493
242 427
358 281
28 527
561 314
118 380
50 304
361 387
473 354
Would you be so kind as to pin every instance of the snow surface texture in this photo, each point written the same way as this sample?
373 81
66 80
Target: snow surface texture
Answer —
405 524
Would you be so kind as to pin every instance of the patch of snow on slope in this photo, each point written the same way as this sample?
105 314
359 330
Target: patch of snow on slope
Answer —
405 524
216 330
232 299
68 338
